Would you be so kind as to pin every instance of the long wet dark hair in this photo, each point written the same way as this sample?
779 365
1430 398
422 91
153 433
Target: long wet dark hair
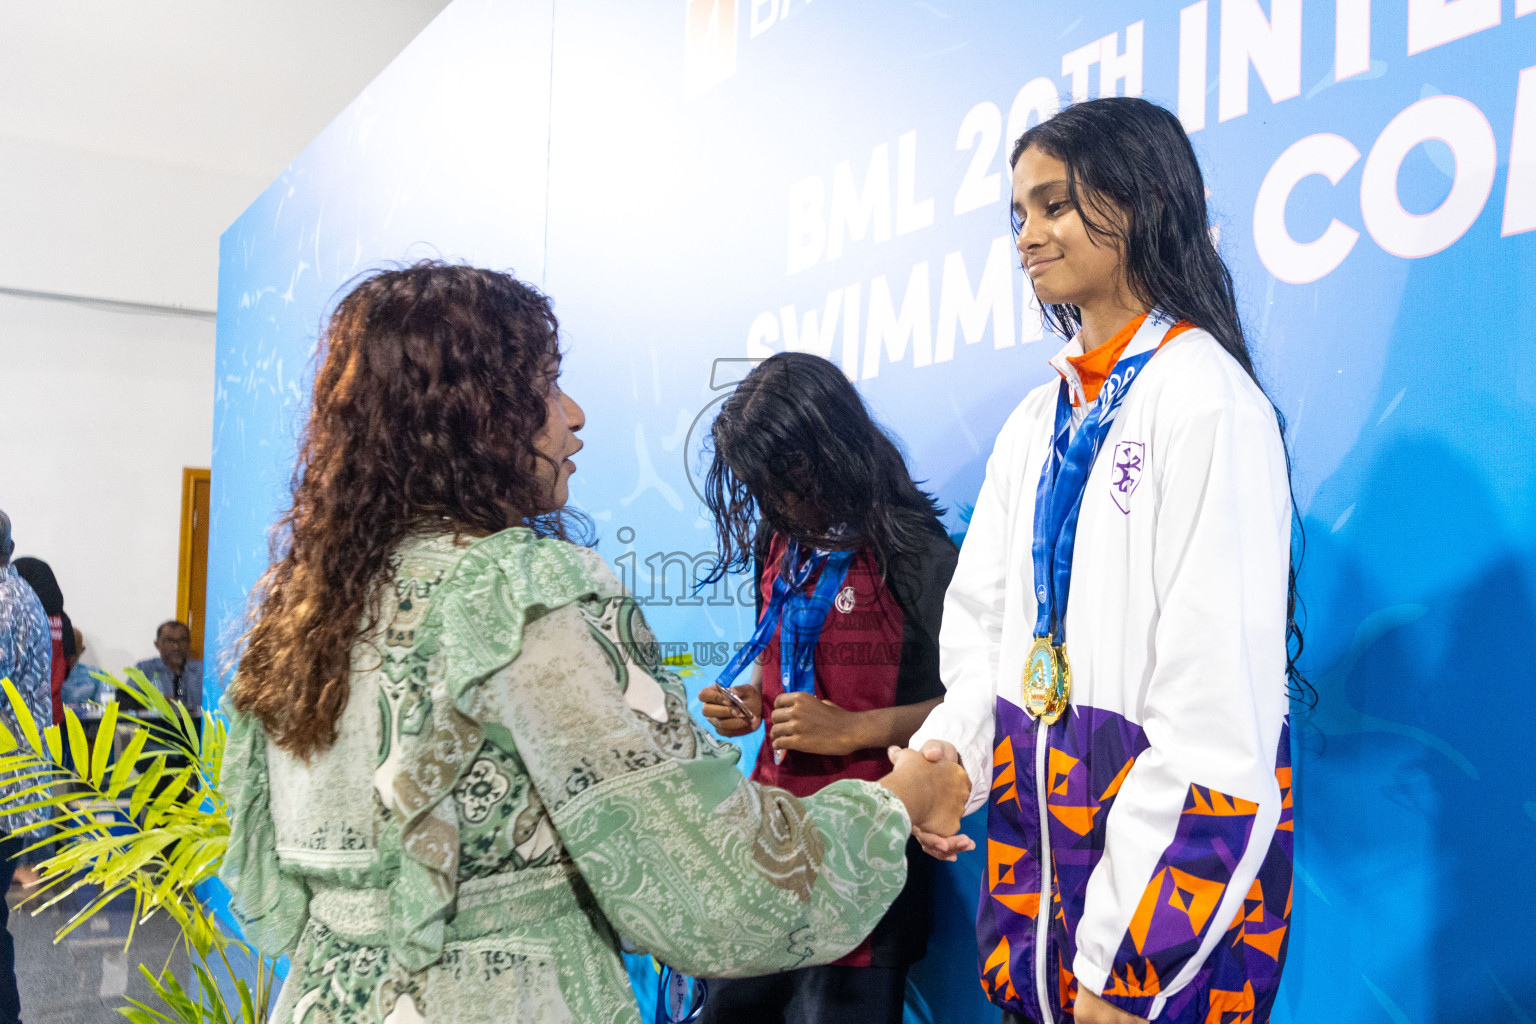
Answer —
795 451
1128 155
429 397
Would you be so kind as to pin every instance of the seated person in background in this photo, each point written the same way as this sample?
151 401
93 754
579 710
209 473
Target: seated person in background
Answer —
180 678
84 694
82 691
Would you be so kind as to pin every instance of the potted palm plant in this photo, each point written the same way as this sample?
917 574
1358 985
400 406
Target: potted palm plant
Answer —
147 823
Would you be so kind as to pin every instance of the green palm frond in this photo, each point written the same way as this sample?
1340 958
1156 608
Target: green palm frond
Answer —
209 1008
134 827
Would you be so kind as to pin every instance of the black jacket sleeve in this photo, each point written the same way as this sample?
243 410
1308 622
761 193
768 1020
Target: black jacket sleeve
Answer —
919 589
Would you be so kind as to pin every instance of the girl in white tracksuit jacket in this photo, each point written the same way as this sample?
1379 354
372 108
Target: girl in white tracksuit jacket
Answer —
1139 830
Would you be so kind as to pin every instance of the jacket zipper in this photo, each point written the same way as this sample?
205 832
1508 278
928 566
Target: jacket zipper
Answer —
1043 917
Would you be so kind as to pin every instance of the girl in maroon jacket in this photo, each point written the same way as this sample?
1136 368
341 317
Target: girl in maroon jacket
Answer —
851 565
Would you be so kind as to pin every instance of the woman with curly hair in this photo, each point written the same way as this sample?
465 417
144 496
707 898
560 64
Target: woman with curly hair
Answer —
458 770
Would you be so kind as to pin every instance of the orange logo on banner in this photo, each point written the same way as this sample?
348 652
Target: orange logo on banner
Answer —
709 44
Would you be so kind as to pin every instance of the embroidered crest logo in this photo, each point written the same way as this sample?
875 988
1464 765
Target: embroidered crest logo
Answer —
844 602
1125 472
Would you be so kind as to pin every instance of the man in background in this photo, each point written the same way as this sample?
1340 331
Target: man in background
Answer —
26 659
82 691
179 677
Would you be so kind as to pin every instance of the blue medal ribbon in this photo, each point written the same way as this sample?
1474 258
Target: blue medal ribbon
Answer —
1064 478
801 614
679 999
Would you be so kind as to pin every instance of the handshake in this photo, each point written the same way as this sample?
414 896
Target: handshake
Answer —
931 783
934 788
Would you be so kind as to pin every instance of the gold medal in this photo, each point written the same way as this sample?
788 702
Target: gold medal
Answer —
1047 681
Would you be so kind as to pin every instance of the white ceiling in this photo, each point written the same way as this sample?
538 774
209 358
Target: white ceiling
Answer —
133 132
232 86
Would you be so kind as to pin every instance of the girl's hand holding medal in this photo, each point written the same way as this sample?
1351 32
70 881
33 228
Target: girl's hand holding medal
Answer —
933 790
732 711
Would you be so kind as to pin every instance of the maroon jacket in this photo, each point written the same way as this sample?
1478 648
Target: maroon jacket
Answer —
878 649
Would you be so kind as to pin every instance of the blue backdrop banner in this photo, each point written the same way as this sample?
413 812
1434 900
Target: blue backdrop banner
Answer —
700 183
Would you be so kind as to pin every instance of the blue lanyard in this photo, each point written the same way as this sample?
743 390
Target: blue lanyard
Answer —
675 1004
802 616
1064 478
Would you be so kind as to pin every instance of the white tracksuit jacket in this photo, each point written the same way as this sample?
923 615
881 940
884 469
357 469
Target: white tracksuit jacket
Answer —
1155 815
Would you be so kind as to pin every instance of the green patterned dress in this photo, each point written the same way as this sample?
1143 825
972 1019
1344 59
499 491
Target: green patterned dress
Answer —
515 786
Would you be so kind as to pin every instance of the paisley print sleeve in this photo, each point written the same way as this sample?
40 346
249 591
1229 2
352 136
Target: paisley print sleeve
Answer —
271 905
714 874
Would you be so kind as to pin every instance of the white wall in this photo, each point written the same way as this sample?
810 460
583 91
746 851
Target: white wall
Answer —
132 133
79 222
100 408
99 412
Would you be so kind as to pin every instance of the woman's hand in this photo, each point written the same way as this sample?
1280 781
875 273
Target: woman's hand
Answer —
934 844
723 714
1091 1009
937 845
805 722
934 792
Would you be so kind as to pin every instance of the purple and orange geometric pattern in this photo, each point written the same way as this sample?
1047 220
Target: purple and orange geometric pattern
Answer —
1242 975
1010 898
1179 902
1091 753
1066 989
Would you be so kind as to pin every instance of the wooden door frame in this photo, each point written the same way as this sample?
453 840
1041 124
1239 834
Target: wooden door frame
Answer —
189 477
